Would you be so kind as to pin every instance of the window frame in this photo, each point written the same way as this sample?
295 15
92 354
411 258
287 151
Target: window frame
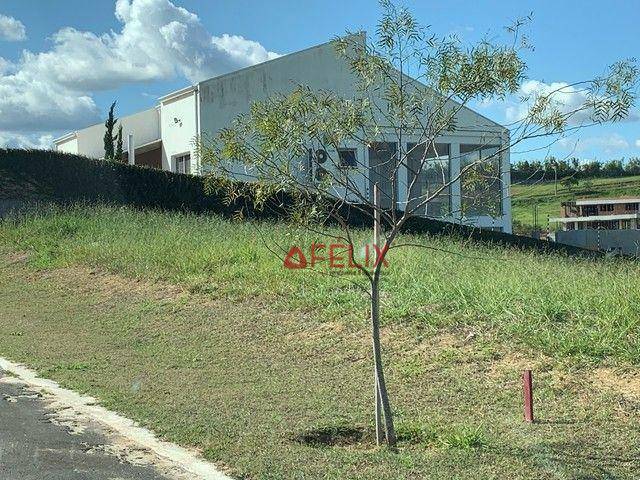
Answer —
344 166
467 149
179 159
433 157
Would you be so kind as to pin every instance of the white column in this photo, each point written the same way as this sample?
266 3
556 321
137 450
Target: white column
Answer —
403 183
454 165
505 177
131 149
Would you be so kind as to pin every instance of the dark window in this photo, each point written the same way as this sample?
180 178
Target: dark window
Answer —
606 207
481 186
383 170
431 167
589 210
183 163
348 157
631 207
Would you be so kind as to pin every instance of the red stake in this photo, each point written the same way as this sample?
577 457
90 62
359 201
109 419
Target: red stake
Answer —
527 388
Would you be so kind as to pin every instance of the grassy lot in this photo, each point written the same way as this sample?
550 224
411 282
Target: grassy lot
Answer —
543 194
191 326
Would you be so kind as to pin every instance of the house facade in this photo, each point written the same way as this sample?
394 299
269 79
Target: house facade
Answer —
605 224
165 137
599 214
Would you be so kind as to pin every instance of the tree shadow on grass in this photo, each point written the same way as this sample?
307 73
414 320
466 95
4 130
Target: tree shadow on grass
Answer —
584 460
334 435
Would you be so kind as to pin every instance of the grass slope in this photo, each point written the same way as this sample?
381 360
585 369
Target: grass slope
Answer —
524 197
191 326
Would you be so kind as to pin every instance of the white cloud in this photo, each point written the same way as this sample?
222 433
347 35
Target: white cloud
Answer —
5 66
610 144
566 98
29 104
39 141
11 29
158 41
52 90
638 143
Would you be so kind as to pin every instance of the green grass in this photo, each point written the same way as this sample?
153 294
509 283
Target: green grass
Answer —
192 327
563 306
524 197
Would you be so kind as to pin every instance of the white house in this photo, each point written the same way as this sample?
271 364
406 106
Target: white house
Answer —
164 136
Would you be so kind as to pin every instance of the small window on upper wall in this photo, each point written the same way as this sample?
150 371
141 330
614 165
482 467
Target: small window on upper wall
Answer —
348 157
182 163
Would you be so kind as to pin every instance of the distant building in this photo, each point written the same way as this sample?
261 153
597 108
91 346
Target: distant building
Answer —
605 224
599 214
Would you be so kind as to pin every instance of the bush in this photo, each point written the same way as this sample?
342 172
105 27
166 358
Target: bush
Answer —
46 175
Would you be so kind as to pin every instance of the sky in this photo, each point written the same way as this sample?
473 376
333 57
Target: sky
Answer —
63 63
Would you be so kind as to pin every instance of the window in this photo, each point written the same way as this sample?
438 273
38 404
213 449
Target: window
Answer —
428 171
183 163
348 157
631 207
383 170
481 187
606 207
589 210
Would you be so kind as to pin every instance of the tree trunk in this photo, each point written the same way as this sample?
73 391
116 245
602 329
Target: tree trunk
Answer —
377 358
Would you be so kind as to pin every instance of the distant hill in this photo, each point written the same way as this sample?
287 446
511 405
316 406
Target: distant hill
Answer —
543 194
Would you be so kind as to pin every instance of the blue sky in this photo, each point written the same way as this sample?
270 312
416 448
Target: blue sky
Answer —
574 40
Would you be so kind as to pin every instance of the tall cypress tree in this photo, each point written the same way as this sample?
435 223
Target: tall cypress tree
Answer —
119 154
108 134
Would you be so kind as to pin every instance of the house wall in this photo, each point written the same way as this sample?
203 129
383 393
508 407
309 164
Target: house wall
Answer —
179 127
618 241
145 127
223 98
616 209
149 158
68 146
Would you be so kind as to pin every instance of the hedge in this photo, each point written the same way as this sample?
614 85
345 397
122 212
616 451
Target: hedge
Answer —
55 177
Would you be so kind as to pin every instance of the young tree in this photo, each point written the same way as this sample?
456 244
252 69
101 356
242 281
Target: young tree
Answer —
119 155
109 139
410 85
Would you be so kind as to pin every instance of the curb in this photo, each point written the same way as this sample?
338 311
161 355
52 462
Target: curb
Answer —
176 455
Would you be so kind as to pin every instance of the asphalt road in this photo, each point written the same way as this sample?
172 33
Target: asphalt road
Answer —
32 447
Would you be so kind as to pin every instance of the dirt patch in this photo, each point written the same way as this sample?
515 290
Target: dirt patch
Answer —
16 257
513 362
311 333
105 285
626 384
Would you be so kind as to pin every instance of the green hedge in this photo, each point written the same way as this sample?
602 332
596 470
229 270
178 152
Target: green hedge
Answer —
61 177
49 176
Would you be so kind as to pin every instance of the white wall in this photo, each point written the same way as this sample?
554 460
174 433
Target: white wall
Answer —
68 146
223 98
179 127
144 125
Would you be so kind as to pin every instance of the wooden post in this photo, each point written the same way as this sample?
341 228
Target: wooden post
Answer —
376 239
527 388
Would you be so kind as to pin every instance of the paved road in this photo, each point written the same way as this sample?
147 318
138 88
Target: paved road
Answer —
34 448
